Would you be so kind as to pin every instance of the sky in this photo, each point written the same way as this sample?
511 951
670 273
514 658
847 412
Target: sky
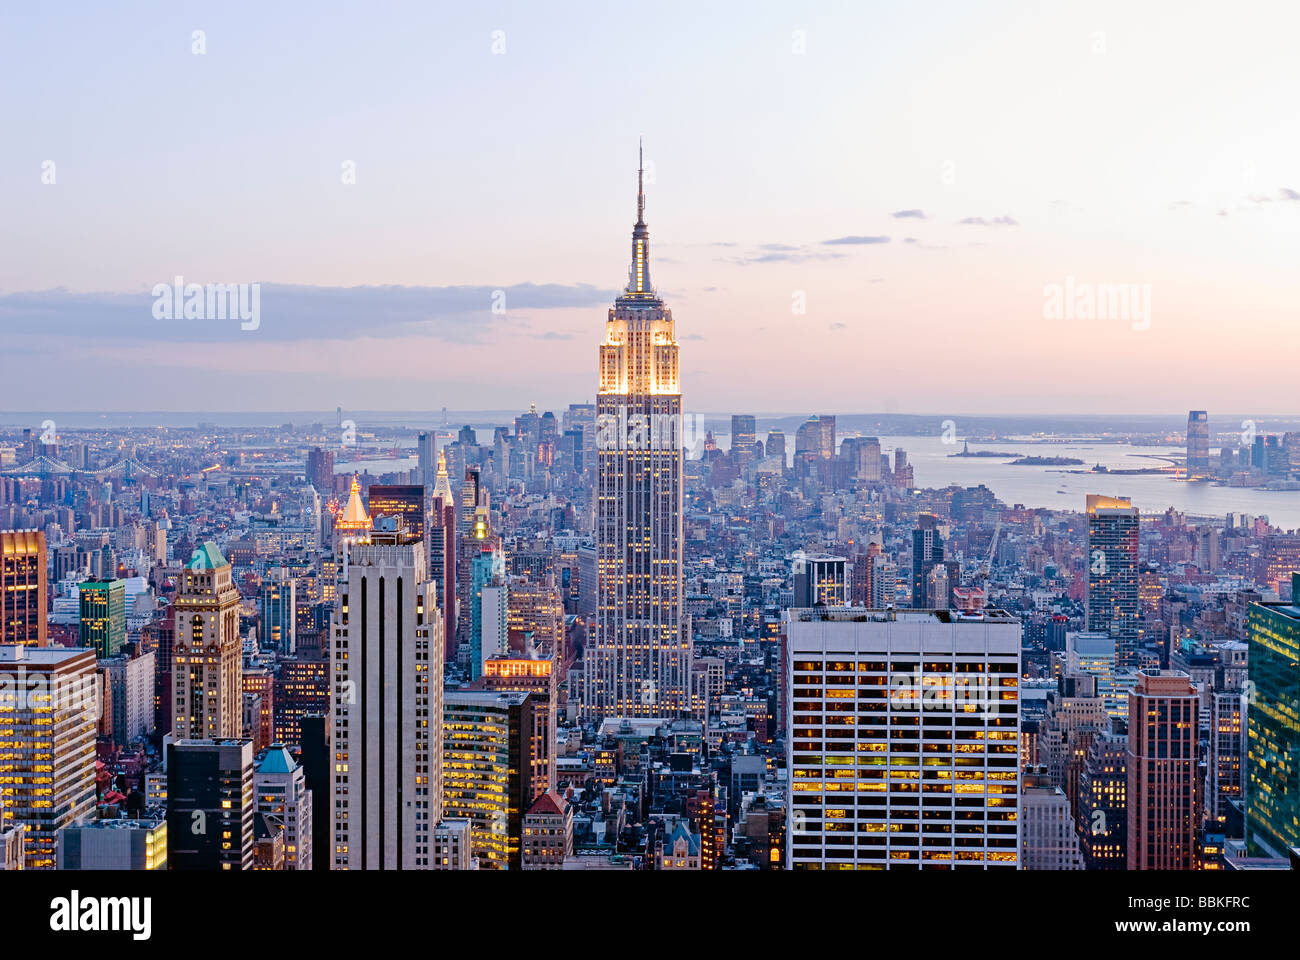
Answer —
853 207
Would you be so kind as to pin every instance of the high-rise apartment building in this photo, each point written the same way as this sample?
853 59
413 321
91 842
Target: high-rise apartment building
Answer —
902 739
207 691
638 661
132 683
1164 782
281 794
49 710
23 590
1111 594
387 706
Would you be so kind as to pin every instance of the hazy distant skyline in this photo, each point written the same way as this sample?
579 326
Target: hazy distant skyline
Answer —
919 177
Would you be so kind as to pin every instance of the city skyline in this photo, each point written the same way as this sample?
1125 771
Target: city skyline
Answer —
938 214
543 613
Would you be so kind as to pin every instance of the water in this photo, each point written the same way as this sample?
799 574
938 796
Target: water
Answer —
1042 486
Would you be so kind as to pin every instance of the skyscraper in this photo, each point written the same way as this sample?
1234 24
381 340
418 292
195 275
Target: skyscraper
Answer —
639 662
1111 594
776 445
927 552
488 769
23 587
407 499
1164 783
489 613
742 439
103 616
1198 443
903 739
279 609
207 695
387 706
1273 784
442 553
320 470
210 805
281 795
49 707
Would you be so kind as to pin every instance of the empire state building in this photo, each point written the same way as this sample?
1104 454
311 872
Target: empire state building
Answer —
639 662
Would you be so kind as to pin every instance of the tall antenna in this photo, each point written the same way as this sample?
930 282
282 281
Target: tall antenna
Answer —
640 182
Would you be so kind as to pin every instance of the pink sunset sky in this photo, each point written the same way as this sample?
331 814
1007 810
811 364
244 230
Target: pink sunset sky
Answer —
917 176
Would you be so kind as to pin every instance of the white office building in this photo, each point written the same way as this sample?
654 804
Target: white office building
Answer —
387 704
902 739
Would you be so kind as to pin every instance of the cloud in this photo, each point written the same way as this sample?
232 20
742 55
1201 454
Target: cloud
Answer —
1286 193
984 222
854 240
909 214
839 326
454 314
552 335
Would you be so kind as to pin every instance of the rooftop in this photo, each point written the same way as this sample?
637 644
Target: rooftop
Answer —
905 615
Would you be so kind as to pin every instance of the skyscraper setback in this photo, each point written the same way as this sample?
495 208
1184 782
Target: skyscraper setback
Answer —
639 662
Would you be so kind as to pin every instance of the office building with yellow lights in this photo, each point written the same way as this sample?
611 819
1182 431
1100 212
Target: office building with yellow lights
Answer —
49 711
902 739
488 769
23 587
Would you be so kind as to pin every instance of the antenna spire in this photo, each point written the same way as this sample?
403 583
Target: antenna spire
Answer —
640 182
